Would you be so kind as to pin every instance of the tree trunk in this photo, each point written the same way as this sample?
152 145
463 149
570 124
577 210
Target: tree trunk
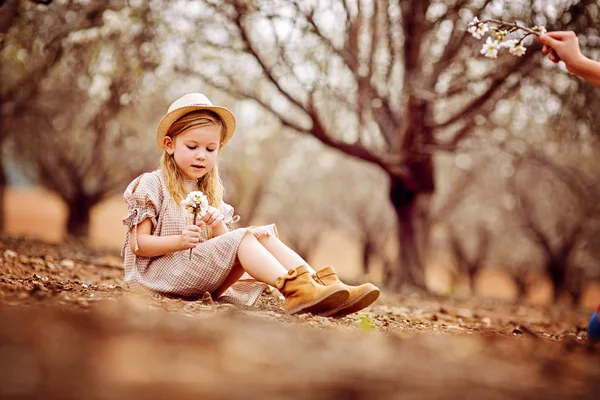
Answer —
472 273
388 273
575 287
557 273
412 212
575 295
521 288
78 222
2 195
367 250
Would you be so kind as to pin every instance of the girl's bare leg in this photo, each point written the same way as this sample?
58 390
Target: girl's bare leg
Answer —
257 261
286 256
236 273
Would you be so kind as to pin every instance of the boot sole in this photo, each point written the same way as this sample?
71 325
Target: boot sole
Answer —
329 300
362 301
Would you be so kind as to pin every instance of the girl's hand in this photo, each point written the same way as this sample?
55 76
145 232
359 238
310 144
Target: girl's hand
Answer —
562 46
212 217
190 236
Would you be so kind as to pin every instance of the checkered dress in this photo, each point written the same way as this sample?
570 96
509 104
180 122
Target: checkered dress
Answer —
175 274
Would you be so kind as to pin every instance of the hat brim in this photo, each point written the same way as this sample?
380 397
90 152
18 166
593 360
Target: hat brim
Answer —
168 120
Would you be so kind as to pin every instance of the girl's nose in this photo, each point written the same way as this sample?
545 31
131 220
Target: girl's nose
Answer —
201 155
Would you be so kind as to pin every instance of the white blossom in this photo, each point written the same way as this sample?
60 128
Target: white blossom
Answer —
477 28
196 204
100 87
501 34
496 40
516 49
508 43
490 48
84 36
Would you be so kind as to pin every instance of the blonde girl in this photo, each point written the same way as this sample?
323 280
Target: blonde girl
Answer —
230 264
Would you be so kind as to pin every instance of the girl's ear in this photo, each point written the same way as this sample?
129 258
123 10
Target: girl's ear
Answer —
169 145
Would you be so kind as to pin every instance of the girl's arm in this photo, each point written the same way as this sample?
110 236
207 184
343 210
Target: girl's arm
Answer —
564 46
153 246
587 69
219 229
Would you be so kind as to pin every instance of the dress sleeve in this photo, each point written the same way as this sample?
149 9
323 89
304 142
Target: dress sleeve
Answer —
228 215
144 199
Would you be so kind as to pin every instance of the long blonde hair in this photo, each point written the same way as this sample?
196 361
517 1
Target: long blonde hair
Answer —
210 184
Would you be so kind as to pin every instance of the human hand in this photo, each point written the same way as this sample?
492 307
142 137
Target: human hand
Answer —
190 236
212 217
562 46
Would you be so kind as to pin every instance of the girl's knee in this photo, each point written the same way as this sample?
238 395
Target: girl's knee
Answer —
265 237
248 237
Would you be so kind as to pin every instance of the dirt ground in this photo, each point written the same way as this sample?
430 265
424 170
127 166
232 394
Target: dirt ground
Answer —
69 329
25 218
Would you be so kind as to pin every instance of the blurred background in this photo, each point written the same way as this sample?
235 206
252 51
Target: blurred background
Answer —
372 132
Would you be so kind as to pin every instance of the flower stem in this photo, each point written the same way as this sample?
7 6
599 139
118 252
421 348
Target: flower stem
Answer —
525 36
512 25
195 216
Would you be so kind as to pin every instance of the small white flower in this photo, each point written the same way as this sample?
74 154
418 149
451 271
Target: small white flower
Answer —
473 24
508 43
196 203
500 35
514 47
490 48
477 28
539 29
517 49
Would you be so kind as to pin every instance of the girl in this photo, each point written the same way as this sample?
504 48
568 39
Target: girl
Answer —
228 263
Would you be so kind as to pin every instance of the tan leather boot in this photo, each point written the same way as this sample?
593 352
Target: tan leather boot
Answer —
302 294
360 296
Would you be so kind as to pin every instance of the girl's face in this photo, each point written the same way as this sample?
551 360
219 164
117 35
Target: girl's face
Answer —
195 150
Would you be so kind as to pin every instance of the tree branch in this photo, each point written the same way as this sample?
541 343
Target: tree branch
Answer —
497 83
266 69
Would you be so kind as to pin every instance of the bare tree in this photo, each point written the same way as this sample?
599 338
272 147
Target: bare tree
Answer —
384 81
555 205
586 260
375 237
30 49
364 211
523 277
302 220
470 261
249 163
72 136
295 195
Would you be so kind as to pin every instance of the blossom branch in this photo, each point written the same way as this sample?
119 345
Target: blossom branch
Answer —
491 46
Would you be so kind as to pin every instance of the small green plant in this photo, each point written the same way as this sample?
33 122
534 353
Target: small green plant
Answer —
451 289
366 322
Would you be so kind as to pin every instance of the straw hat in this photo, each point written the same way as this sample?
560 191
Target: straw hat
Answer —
193 102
